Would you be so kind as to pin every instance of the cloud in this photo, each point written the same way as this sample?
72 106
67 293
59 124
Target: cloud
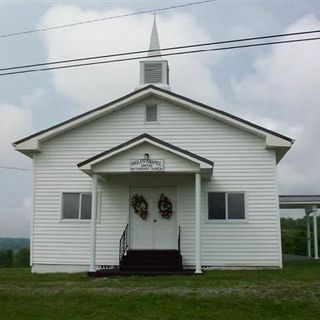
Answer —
99 84
280 91
32 100
283 93
15 220
15 122
15 187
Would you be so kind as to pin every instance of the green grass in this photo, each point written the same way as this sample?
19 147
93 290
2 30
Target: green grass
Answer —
291 293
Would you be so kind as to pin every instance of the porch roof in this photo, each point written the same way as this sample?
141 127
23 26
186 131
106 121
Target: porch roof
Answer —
307 202
203 164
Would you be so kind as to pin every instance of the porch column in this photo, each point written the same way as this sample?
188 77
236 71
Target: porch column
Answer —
315 232
198 221
93 222
308 236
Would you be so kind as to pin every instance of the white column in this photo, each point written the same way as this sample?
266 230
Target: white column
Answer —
198 221
93 222
308 236
315 233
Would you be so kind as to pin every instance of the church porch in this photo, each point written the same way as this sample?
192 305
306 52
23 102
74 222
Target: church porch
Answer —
151 176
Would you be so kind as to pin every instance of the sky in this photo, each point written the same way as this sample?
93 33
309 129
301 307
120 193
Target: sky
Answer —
276 86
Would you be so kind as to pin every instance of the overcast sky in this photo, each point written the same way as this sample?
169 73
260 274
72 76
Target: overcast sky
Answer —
277 87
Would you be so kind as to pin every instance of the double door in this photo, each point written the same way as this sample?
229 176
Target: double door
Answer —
154 232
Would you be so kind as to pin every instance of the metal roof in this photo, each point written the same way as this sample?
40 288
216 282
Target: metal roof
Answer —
308 202
300 199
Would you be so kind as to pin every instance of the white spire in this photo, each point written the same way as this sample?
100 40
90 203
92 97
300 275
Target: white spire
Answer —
154 40
154 70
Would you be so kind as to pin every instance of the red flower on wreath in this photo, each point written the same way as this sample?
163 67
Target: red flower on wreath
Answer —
165 206
140 205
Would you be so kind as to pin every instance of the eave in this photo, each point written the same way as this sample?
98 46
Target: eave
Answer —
273 139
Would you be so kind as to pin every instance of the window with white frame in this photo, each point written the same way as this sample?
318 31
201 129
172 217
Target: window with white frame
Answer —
76 206
226 206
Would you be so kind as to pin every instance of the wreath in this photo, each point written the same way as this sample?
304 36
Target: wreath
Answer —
140 205
165 206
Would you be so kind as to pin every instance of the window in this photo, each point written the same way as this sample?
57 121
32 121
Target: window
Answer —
76 206
226 206
151 113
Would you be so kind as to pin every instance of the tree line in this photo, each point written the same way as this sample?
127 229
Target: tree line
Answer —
294 236
10 258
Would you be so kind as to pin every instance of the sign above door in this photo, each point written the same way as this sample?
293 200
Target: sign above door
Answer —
147 164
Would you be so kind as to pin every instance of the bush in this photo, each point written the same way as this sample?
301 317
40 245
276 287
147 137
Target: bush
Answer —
294 235
6 258
22 258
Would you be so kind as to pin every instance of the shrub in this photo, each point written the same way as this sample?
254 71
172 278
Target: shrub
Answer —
6 258
22 258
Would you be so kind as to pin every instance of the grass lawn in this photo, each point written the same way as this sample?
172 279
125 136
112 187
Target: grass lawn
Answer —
291 293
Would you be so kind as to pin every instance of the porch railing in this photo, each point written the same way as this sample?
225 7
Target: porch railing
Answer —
179 239
124 243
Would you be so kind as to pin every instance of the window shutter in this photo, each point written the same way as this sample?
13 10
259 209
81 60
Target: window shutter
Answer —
151 113
153 73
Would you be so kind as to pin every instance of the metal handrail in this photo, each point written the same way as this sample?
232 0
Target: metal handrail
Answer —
179 239
124 243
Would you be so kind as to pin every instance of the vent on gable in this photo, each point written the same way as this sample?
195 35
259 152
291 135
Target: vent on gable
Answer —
153 72
151 113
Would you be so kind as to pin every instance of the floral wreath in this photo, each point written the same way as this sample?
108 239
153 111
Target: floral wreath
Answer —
140 205
165 206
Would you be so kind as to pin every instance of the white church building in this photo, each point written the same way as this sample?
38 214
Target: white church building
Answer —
154 181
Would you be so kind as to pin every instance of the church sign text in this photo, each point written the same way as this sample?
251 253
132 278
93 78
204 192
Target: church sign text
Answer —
146 165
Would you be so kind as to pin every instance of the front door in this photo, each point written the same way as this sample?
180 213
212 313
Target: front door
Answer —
154 232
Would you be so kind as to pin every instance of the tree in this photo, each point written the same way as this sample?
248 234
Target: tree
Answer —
6 258
22 258
294 235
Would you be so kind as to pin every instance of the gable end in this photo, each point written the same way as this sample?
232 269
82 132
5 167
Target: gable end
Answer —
31 143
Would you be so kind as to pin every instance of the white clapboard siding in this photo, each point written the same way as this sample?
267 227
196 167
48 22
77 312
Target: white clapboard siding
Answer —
115 200
121 162
241 163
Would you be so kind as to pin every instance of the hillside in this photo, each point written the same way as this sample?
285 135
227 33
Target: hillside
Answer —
14 243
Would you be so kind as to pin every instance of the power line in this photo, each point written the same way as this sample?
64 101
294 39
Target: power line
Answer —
20 33
163 49
167 54
14 168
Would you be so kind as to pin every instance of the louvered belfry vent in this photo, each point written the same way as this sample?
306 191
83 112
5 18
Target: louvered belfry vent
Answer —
153 72
151 113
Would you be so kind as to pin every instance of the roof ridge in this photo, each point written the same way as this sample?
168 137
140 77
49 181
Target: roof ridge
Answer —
155 88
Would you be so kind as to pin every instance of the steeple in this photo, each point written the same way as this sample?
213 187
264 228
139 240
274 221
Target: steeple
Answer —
154 40
154 69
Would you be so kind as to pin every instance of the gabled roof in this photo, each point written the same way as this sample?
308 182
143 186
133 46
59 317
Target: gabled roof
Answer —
31 143
150 139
